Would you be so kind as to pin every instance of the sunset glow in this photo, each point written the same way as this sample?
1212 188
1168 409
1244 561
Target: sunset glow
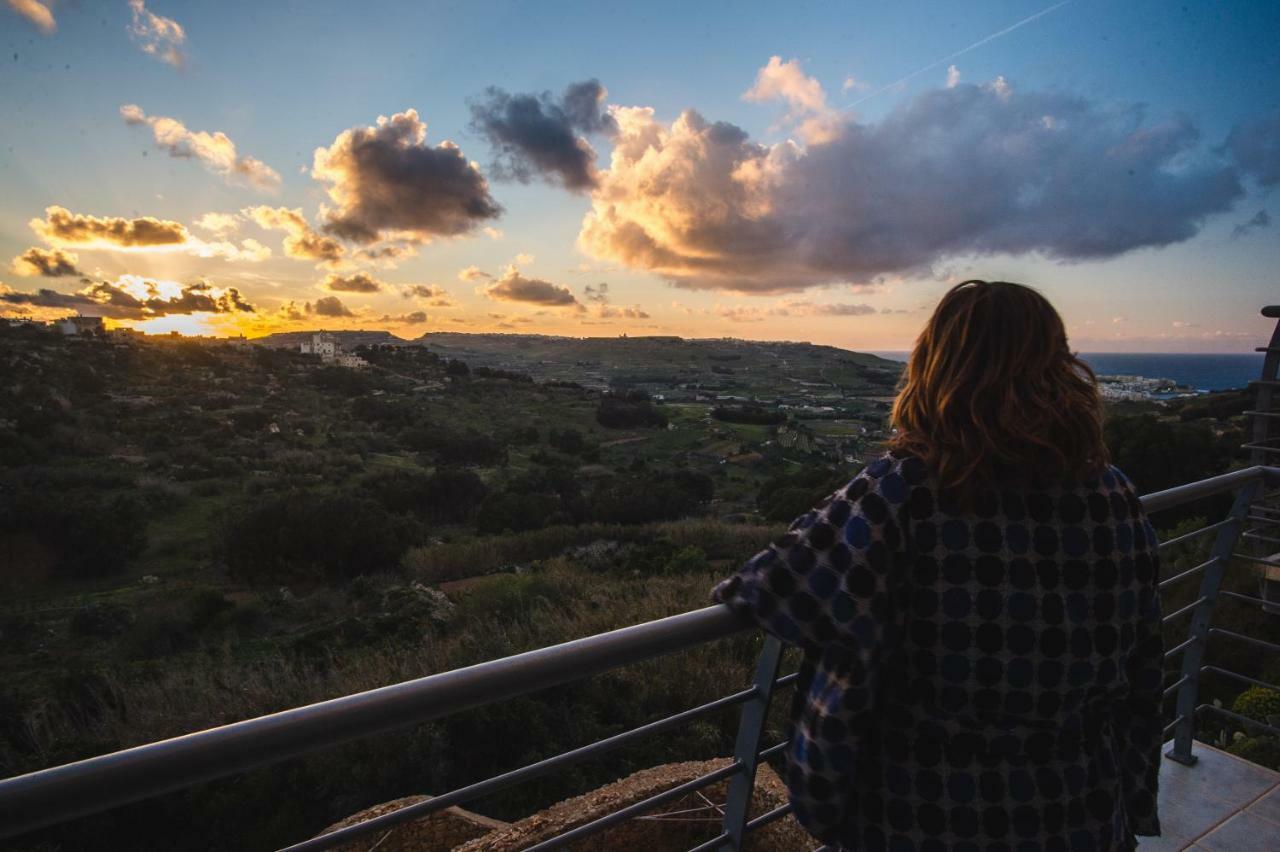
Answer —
826 182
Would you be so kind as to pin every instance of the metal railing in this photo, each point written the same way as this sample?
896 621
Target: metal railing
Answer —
49 796
61 793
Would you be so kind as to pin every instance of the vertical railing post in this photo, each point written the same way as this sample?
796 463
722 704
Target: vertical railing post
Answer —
1224 544
750 729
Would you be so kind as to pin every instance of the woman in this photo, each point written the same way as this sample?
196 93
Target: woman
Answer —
979 609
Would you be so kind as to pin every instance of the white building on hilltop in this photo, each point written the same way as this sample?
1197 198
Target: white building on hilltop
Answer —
323 344
72 326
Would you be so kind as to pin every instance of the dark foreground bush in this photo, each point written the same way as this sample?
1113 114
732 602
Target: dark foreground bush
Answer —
314 535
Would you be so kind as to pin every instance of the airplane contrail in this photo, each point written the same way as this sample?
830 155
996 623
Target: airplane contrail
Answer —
960 52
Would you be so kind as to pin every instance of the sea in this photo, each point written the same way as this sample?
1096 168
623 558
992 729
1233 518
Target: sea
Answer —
1204 372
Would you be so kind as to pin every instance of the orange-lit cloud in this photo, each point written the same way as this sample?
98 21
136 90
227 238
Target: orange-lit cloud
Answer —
434 295
968 170
219 224
330 306
816 121
387 184
133 297
51 264
157 35
37 13
215 150
361 282
61 227
300 242
514 287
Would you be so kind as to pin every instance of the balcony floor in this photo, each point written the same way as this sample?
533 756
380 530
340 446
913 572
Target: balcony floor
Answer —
1222 804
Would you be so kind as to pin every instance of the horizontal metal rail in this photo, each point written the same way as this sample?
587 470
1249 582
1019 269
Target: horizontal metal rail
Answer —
764 819
1173 687
63 792
1180 647
624 814
60 793
1244 720
1186 609
1246 598
1194 534
1168 729
1231 634
516 776
1240 677
1187 573
1179 494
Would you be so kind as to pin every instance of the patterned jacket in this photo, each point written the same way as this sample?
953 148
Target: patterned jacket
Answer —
981 680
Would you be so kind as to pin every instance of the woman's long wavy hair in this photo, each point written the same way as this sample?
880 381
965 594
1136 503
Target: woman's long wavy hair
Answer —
993 395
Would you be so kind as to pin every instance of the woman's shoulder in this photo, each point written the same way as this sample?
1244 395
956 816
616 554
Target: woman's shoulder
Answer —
892 475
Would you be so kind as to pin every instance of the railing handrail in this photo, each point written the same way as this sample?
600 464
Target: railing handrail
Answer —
60 793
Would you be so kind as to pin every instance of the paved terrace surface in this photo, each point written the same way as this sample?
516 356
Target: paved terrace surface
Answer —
1222 804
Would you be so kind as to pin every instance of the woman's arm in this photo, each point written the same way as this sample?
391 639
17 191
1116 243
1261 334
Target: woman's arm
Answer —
836 575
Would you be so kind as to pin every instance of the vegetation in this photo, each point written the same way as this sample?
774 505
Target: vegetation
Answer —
194 533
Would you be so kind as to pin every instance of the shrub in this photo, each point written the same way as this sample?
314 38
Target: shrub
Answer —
1258 703
100 620
315 535
750 414
688 560
1264 751
450 494
616 412
205 606
88 534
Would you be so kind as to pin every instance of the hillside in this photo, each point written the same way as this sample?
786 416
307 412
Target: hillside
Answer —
672 365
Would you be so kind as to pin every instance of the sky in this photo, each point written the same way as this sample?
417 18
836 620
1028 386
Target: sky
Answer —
818 172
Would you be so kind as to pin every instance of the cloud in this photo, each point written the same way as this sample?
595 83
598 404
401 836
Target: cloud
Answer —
953 76
51 264
814 309
329 306
620 312
1255 148
473 273
537 136
514 287
804 95
361 282
62 227
1261 219
387 255
436 296
387 183
37 13
134 297
219 224
158 36
971 170
300 242
412 318
215 150
598 297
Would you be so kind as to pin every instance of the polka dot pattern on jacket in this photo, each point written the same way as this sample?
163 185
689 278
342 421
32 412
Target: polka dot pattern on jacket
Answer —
987 679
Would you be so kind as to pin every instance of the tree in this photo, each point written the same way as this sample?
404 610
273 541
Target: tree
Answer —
317 535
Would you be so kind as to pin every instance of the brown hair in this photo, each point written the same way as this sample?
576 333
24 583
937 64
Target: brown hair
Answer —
992 393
